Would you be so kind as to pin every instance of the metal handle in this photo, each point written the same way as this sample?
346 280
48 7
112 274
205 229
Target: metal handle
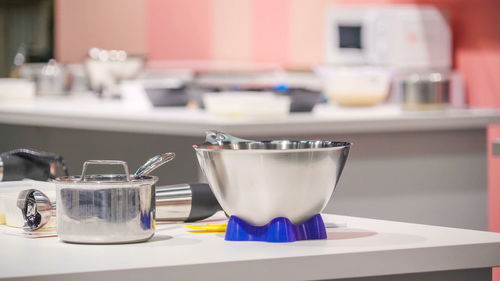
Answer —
220 138
105 162
154 163
36 209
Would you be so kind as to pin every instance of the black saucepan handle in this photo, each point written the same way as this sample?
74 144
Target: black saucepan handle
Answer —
204 203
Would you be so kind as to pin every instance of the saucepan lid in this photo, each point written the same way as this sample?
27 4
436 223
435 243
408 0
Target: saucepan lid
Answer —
85 178
140 176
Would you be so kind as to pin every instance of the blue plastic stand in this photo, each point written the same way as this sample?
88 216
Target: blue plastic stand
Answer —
278 230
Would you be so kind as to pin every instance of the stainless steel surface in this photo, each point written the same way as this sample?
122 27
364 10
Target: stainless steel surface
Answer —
173 202
495 146
425 91
1 169
105 209
154 163
259 181
220 138
36 208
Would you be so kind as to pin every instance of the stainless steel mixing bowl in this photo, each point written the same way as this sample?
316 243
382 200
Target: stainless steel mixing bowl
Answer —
262 180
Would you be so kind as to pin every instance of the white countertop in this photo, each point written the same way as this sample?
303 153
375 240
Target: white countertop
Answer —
93 114
366 247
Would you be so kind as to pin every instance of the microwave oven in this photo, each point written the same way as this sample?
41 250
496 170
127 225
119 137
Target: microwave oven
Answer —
396 36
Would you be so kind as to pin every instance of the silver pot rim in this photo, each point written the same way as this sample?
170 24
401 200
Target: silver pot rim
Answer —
118 179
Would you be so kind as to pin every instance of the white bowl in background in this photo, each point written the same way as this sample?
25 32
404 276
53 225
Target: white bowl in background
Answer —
246 104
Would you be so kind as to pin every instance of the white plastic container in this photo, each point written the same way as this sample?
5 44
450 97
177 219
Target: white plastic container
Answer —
14 89
355 86
247 104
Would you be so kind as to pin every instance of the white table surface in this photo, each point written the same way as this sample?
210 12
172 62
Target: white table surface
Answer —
366 247
129 116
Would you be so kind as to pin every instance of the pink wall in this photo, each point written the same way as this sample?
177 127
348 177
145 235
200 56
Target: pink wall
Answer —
478 49
306 33
270 30
110 24
288 32
231 30
494 187
179 29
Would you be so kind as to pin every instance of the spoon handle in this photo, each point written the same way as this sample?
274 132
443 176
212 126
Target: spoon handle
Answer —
154 163
220 138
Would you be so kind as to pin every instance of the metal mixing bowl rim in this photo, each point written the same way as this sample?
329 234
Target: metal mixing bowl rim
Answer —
332 145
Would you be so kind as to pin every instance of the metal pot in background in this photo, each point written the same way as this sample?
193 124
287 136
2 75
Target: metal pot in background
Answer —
52 80
425 91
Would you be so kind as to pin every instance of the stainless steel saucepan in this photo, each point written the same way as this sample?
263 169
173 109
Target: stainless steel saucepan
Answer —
106 209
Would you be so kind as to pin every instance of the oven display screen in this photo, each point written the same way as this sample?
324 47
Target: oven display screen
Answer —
350 36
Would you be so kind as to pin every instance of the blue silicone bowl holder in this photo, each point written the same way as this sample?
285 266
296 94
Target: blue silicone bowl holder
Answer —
277 230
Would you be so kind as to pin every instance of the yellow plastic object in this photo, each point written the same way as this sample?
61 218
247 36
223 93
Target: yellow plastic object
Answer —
206 228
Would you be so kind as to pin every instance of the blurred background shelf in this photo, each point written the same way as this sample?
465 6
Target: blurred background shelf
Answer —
95 114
